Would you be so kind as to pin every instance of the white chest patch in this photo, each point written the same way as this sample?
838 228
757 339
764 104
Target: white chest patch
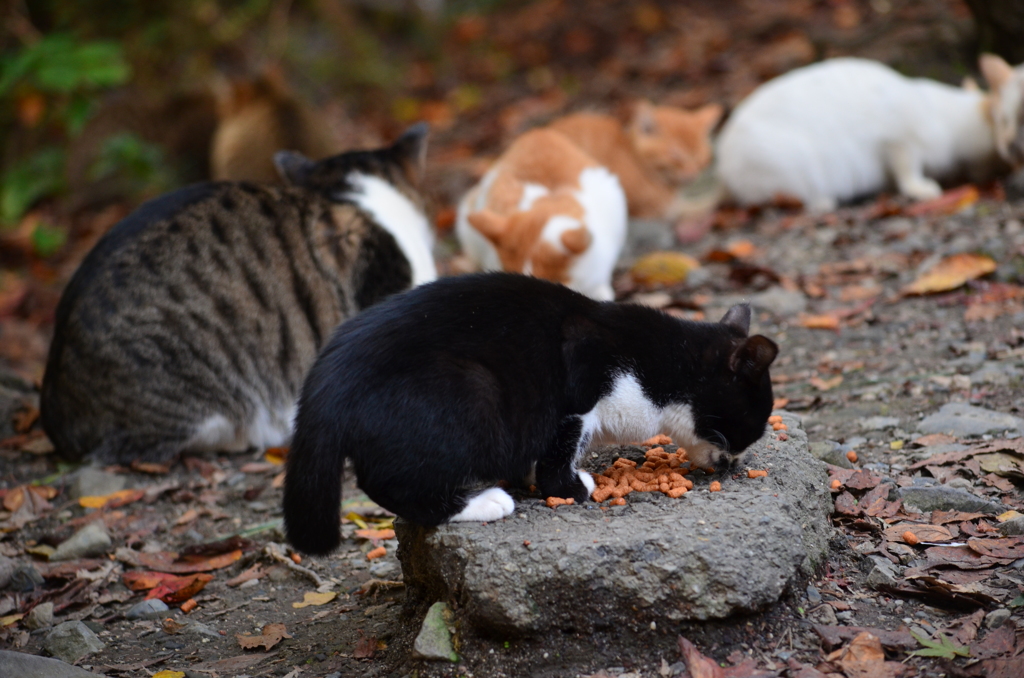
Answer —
627 414
396 213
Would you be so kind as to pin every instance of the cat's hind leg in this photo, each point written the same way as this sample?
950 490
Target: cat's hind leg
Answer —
904 162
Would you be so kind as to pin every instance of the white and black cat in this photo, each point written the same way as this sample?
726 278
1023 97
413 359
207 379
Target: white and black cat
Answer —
440 393
192 323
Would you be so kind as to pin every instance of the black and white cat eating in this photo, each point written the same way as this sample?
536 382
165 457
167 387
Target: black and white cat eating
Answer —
440 394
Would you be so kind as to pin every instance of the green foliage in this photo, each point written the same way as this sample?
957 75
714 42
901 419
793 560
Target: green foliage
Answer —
138 163
47 240
40 175
59 64
945 648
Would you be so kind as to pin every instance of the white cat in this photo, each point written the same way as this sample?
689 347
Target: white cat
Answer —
849 127
549 210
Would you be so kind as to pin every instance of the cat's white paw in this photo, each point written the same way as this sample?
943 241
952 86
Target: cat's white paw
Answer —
588 481
922 189
492 504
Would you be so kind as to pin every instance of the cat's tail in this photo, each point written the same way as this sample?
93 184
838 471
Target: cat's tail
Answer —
312 488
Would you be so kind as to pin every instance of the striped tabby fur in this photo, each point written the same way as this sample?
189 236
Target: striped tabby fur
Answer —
192 323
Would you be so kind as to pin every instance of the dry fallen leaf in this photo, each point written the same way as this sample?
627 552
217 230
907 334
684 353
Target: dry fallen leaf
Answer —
140 580
698 665
922 532
169 674
825 384
315 599
819 322
663 268
276 455
951 273
112 500
180 589
271 636
950 202
164 561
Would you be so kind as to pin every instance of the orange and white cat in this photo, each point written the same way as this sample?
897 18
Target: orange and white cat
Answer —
844 128
662 149
549 210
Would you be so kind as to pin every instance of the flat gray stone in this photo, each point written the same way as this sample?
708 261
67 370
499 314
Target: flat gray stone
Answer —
996 618
961 420
702 556
91 540
94 482
434 641
71 641
147 609
942 498
995 373
24 665
879 423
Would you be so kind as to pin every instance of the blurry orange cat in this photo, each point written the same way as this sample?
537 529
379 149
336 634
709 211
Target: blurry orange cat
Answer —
661 149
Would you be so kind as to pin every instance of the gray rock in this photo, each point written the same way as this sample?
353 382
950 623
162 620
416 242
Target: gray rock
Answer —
91 540
701 556
883 573
813 596
7 569
961 420
94 482
824 614
40 617
1012 527
21 665
25 578
153 608
996 618
193 627
434 640
878 423
775 300
647 235
72 641
939 497
995 373
831 453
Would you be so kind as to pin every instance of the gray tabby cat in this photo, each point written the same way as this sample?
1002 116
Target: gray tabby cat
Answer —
192 323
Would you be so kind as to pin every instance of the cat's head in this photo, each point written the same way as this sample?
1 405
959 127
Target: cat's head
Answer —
400 164
1006 85
731 404
521 249
674 141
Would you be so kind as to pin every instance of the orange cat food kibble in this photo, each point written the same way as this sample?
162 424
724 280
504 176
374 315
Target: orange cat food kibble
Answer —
552 502
378 552
911 538
780 427
659 439
757 473
835 484
775 419
660 472
852 456
715 486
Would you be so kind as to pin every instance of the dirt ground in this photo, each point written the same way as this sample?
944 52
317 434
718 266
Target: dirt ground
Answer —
898 357
829 290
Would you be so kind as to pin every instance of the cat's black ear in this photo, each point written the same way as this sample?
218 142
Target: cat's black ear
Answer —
411 149
293 167
751 359
738 317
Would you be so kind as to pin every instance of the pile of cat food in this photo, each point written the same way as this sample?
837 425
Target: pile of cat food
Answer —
661 472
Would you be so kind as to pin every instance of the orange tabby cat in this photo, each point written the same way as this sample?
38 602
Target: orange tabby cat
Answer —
662 149
546 209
